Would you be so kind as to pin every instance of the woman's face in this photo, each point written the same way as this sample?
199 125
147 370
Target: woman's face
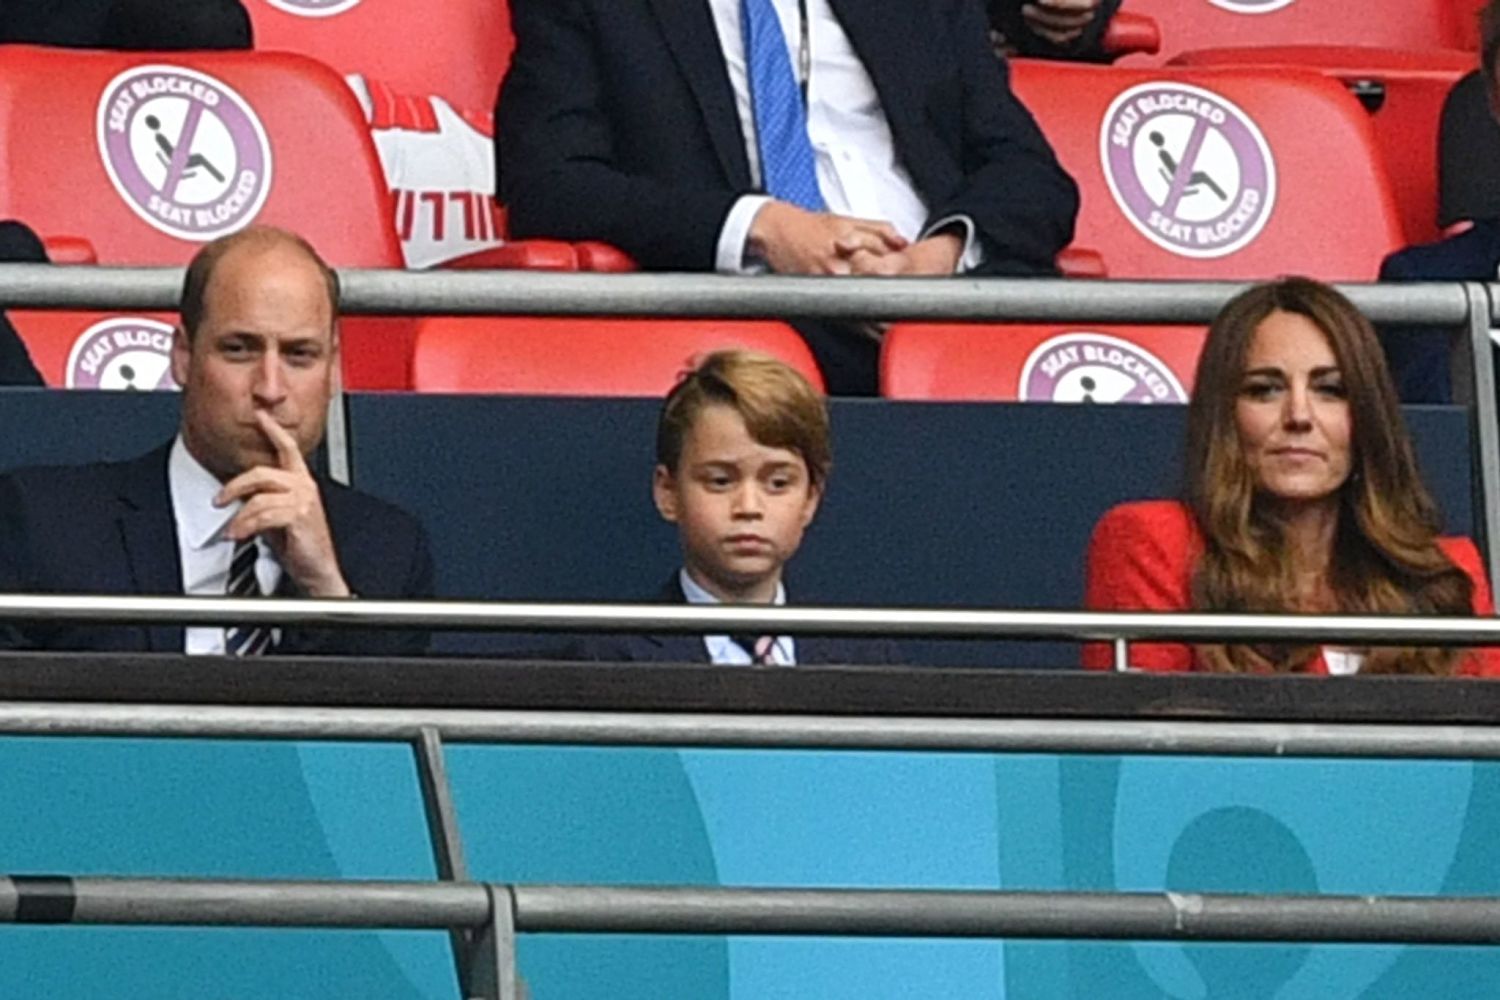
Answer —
1292 411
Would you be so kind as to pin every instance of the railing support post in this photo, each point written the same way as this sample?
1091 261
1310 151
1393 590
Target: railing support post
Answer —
1485 424
447 843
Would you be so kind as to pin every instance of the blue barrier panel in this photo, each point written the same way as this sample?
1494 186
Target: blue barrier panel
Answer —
982 821
761 818
218 809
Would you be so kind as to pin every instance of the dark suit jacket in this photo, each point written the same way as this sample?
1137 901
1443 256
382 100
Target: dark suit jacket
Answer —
108 528
154 25
682 648
617 122
1419 356
17 245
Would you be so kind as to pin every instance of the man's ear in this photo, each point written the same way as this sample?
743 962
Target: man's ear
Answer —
664 492
182 354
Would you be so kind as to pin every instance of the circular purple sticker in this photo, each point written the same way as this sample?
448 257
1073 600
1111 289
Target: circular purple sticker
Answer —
1086 367
1251 6
314 8
185 151
1189 169
122 352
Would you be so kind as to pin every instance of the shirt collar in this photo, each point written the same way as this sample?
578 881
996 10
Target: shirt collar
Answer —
199 523
697 595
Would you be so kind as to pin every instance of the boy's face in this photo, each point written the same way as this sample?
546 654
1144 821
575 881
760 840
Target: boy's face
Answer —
740 507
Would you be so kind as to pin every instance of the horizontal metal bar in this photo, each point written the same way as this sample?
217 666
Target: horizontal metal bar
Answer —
1064 915
245 903
686 618
782 732
397 292
1138 916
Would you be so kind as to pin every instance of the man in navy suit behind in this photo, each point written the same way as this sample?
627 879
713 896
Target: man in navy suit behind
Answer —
1419 356
742 459
653 126
230 506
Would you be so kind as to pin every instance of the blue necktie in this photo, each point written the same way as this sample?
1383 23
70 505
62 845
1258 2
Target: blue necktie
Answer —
788 170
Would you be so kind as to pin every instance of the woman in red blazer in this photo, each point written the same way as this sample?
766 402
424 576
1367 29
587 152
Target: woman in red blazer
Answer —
1303 496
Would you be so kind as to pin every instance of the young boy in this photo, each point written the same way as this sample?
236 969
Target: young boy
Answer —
743 454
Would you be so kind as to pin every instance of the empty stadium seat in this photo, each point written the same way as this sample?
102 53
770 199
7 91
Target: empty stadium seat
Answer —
455 49
1285 174
549 356
1048 363
90 147
88 350
1200 24
1403 90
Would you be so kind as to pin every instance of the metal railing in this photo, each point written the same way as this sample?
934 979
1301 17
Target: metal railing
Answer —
400 293
484 918
487 917
1472 307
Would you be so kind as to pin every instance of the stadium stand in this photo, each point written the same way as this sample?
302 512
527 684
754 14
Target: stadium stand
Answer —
1285 173
1404 91
88 350
584 357
273 138
457 50
1043 363
1186 25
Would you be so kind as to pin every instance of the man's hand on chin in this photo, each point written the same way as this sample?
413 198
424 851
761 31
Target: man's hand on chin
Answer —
792 240
283 503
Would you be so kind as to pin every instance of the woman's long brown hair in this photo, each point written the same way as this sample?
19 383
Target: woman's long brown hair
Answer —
1385 556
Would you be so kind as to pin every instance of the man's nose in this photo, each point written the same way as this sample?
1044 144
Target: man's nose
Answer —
270 385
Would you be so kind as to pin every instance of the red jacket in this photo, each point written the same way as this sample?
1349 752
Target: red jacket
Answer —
1141 558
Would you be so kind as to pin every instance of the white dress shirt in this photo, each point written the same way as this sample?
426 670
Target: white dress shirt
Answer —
724 651
859 172
202 548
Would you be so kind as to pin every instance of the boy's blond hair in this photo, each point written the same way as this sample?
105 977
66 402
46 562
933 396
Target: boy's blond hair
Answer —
781 409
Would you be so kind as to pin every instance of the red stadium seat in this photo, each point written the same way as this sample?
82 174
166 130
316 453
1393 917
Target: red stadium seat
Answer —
456 49
1039 362
1285 176
87 350
1200 24
1405 92
527 355
1128 34
90 147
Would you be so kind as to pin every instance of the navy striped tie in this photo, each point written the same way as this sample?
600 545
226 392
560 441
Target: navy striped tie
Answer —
245 640
787 166
759 647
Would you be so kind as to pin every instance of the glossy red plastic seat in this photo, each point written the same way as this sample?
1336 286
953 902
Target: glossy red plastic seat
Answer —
552 356
1040 362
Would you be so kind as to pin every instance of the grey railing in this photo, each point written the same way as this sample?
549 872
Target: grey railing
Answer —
397 292
1472 307
1117 627
487 917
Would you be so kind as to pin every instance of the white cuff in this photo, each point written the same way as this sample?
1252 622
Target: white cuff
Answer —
973 252
736 233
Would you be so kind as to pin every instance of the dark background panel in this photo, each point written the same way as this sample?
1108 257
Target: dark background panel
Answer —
930 504
985 505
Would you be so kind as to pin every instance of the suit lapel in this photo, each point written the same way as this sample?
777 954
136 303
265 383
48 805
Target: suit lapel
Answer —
883 41
688 27
675 648
149 533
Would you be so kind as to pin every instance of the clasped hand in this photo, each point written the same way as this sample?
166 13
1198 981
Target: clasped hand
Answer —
284 504
792 240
